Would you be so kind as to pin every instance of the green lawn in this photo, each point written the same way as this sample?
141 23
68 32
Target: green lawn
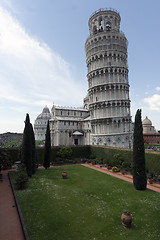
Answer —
87 206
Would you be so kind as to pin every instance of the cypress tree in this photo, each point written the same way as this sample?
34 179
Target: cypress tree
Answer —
47 150
139 170
33 150
26 151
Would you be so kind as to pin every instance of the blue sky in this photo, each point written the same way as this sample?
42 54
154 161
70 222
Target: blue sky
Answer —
42 56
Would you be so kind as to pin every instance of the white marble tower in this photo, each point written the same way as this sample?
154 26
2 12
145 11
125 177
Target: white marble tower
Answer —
108 86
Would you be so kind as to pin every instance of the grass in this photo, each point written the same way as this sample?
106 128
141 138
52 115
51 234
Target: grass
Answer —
86 206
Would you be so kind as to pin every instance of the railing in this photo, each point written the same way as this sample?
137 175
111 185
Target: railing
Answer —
104 9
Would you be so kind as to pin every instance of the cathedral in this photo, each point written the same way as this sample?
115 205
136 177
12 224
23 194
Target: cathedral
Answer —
105 117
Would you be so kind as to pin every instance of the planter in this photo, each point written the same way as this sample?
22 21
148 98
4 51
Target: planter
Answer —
64 175
126 219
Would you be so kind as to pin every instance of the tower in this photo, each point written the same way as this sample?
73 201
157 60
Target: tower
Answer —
108 87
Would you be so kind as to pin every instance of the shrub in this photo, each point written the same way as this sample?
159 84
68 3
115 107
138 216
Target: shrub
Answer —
65 152
158 178
21 178
117 159
5 159
126 165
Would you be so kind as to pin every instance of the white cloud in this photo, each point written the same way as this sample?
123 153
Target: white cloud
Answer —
158 88
153 102
30 66
31 73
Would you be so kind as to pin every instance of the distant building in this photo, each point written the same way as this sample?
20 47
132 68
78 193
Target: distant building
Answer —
40 124
149 132
147 126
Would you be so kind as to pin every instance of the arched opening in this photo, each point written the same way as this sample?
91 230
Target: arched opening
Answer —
94 30
108 26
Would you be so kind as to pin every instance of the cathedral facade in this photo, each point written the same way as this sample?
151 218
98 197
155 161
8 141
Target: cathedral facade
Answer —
105 118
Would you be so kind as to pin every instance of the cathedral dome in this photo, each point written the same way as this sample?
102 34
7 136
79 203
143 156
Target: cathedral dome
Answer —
146 121
45 114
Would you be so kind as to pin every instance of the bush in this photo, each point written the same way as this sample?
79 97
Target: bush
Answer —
126 165
65 152
21 178
117 159
5 160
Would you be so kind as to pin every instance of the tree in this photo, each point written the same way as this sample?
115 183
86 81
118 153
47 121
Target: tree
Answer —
139 170
33 150
28 147
47 150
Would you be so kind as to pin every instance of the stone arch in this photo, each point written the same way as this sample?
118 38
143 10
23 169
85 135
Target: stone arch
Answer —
94 29
100 21
108 25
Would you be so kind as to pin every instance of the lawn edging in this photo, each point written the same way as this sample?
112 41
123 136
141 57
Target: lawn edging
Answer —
25 233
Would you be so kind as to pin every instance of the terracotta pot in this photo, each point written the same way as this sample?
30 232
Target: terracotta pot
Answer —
126 219
64 174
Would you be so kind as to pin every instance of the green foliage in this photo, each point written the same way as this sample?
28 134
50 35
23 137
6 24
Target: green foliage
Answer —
65 152
152 162
86 206
139 170
117 159
21 177
15 143
112 156
80 152
34 160
126 165
5 159
47 149
28 156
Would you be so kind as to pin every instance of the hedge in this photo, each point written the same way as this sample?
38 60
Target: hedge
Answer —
106 154
84 152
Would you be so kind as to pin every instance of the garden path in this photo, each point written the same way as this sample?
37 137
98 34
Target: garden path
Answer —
127 177
10 226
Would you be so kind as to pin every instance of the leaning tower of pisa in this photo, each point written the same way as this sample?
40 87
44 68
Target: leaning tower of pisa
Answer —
108 86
